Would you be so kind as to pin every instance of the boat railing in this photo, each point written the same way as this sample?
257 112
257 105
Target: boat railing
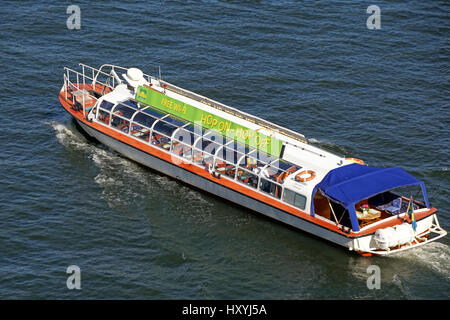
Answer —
78 84
235 112
215 104
113 68
76 89
272 127
89 78
111 71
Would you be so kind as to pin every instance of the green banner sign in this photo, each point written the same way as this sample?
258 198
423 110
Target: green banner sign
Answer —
208 120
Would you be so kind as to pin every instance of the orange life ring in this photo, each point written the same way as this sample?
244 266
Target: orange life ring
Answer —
355 160
299 175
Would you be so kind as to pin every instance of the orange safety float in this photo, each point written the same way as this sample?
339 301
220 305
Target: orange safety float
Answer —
303 175
356 160
281 177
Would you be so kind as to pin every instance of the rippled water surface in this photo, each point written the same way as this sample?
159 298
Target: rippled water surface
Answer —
312 66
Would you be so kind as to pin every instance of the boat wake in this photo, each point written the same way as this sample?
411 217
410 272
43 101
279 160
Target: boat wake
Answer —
435 256
125 183
114 171
67 137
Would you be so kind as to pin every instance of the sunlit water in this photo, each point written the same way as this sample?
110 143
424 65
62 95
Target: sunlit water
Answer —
314 67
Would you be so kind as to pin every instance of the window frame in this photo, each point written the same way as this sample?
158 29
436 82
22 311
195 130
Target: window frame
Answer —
295 194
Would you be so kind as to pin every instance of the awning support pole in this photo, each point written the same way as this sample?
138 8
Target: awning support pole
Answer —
332 210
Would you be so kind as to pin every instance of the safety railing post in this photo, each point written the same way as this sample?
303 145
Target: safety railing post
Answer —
93 81
84 90
65 86
68 76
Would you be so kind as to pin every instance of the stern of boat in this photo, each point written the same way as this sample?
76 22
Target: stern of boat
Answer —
399 238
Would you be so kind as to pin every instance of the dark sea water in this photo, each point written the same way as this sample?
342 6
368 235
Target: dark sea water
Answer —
312 66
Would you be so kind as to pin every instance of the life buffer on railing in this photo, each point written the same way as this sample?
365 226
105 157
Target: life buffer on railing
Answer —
305 175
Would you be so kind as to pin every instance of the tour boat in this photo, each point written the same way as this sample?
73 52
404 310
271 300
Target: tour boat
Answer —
249 161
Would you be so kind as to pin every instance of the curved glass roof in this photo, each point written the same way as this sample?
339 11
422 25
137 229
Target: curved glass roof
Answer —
207 141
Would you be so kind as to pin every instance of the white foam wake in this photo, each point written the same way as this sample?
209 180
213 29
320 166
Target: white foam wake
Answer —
67 137
123 181
435 256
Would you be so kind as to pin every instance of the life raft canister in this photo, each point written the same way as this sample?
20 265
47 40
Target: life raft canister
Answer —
305 175
356 160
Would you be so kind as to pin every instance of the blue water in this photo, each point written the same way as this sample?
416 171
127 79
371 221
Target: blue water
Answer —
312 66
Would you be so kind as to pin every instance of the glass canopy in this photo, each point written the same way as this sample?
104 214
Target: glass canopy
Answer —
206 148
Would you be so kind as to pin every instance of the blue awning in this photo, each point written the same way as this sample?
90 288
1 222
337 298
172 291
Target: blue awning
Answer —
352 183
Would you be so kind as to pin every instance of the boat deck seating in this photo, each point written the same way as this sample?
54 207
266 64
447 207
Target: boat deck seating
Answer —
393 207
391 203
161 141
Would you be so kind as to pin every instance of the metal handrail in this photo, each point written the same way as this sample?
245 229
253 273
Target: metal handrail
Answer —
236 112
68 84
202 99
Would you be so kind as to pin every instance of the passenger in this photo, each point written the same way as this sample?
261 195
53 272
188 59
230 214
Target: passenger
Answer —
266 185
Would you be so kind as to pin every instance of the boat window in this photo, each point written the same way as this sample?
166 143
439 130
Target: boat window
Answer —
270 187
144 119
263 157
279 170
106 105
273 173
207 146
185 136
216 137
124 111
182 150
294 198
195 129
176 122
225 168
204 151
197 157
120 123
160 140
131 103
229 155
103 116
252 164
164 128
140 132
202 158
284 165
247 177
153 113
256 163
242 148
